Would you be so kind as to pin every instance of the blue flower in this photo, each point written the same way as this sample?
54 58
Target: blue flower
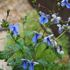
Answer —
36 37
31 65
47 40
27 63
43 18
60 28
65 3
55 19
14 28
24 64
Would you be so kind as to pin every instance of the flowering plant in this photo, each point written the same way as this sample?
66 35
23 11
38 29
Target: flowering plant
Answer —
36 47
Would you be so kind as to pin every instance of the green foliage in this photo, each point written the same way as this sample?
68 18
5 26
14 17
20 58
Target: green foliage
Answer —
23 47
33 1
4 24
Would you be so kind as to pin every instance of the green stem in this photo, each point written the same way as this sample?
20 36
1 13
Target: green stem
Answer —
60 35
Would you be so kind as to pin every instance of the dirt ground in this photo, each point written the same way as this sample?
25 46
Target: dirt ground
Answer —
2 39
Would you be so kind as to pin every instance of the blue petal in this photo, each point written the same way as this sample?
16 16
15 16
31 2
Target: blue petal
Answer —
66 0
36 37
31 66
11 27
14 28
47 40
43 19
68 5
63 2
15 33
24 64
60 30
56 21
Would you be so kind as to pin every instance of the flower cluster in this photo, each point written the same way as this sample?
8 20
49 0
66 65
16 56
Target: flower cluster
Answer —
50 38
45 18
28 64
50 42
55 19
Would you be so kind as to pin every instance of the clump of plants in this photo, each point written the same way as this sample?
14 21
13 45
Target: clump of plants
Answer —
33 45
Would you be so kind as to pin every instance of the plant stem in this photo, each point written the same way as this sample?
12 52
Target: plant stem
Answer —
43 27
60 35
